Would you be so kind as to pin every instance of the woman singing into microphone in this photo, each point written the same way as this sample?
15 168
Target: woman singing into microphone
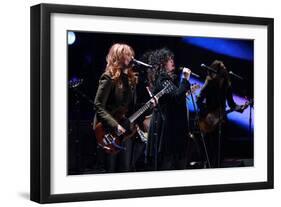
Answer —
116 90
167 140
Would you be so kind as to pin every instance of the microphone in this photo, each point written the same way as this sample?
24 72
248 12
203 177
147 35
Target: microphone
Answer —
138 62
208 68
214 71
194 74
235 75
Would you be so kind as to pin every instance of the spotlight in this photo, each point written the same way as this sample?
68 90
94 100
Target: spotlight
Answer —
71 38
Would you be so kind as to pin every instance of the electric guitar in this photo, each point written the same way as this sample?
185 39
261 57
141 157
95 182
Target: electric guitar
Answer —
143 134
209 122
193 88
110 140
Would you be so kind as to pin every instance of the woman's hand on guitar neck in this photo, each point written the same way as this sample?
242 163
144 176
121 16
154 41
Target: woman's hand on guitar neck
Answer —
120 130
154 101
240 108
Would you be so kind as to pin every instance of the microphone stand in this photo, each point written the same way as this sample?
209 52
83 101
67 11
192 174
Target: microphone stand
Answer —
77 108
77 140
155 134
156 143
196 123
250 119
219 139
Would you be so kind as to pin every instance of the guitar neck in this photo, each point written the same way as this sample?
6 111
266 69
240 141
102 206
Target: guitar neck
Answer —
146 106
243 107
192 89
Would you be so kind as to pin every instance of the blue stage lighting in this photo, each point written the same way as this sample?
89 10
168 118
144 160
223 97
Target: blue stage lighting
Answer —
241 119
242 49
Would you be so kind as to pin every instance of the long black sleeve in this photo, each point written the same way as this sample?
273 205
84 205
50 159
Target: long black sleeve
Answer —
177 93
229 98
101 99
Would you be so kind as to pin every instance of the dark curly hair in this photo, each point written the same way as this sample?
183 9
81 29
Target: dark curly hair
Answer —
158 59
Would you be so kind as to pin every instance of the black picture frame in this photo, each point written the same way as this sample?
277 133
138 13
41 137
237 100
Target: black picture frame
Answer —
40 102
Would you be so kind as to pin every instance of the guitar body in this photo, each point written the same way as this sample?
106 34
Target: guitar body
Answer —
105 140
109 140
209 123
143 133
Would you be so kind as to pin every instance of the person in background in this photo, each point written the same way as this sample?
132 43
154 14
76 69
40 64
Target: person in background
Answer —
213 96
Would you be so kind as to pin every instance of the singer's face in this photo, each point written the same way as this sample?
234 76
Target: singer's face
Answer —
170 66
127 60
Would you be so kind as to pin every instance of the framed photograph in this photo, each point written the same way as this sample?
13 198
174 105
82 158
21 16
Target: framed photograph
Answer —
132 103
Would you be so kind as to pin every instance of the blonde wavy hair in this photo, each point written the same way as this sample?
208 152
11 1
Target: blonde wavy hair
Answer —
115 62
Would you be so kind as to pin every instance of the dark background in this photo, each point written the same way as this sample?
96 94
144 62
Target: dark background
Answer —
86 60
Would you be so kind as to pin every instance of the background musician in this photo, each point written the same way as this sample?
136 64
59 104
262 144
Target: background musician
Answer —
213 96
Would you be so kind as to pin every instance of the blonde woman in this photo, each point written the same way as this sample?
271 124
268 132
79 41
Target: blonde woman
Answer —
116 90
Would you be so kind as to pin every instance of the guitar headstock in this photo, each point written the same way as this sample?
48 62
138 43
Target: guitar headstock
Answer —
168 86
242 108
194 87
248 103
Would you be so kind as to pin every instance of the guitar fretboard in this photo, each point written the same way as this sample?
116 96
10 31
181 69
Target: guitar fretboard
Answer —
146 106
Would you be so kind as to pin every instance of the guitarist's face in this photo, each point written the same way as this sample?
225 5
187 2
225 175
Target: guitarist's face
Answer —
127 60
221 74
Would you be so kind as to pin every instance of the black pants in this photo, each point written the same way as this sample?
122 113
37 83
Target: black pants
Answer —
138 156
173 162
121 162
